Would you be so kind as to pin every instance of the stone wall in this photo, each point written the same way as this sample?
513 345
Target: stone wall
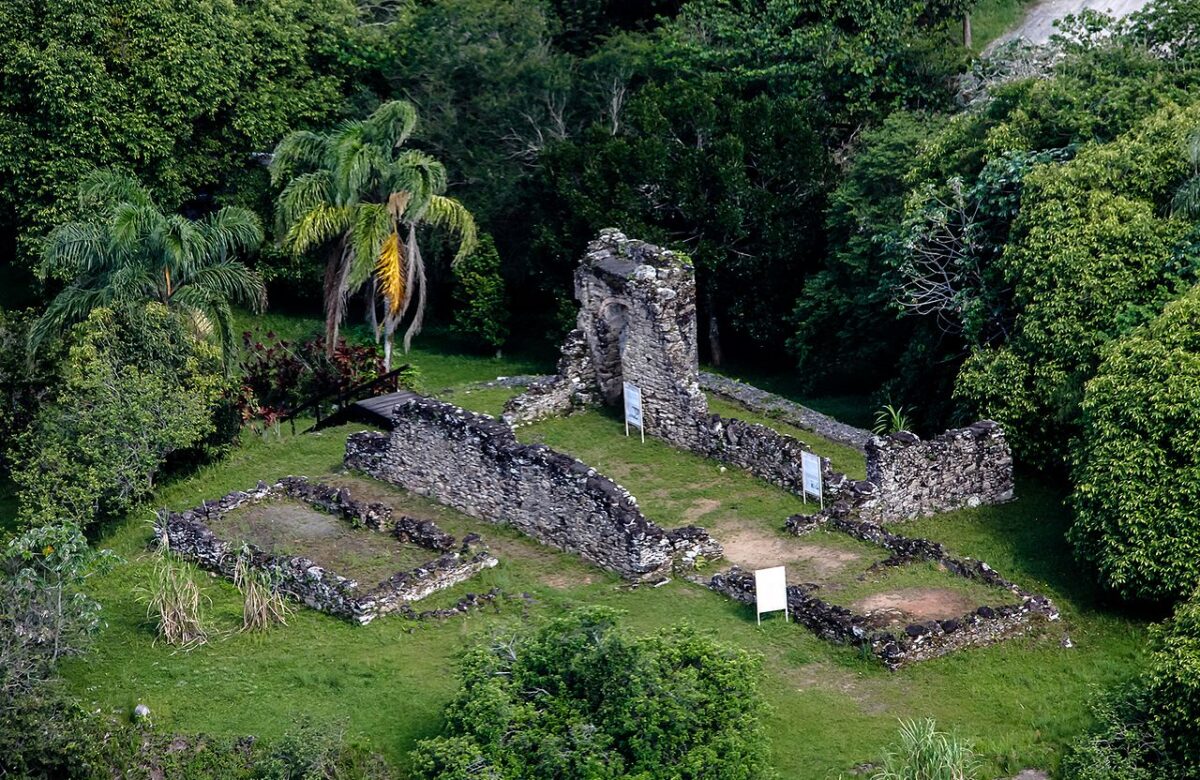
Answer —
963 467
188 535
475 464
788 411
636 324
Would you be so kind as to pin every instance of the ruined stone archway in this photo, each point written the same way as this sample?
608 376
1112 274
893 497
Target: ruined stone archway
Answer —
611 337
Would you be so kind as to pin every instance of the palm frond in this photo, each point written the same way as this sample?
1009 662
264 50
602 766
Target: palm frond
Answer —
418 264
70 306
103 189
130 225
451 215
319 225
372 225
298 153
226 280
1186 202
301 195
393 123
232 230
391 273
72 249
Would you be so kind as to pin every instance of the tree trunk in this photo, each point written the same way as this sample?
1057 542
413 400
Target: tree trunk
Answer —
714 339
967 40
372 315
387 353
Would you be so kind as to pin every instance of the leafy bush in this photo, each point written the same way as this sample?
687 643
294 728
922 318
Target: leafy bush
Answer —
1137 470
580 697
279 375
482 312
1090 260
1147 729
135 388
25 379
924 753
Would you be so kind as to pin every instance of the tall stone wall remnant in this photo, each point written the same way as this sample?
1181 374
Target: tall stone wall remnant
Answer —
636 324
475 464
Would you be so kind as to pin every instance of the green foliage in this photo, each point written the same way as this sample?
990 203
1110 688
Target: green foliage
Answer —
25 379
891 419
580 697
136 387
1137 467
1090 260
360 195
127 252
182 95
924 753
479 292
1147 728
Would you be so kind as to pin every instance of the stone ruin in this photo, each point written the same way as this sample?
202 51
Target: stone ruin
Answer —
188 535
637 324
475 464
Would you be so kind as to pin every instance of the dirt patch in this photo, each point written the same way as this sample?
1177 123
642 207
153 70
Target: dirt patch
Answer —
699 508
291 528
752 548
563 580
909 605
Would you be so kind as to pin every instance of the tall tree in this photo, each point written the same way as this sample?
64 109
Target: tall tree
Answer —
132 251
361 195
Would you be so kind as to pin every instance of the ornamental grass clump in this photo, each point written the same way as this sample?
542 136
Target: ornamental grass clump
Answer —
174 601
262 604
924 753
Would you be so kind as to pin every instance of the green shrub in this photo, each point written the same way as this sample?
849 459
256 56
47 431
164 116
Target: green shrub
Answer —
136 387
1137 471
582 698
1147 729
1090 260
924 753
482 312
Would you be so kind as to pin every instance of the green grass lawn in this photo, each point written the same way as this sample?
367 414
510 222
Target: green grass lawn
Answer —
992 18
831 708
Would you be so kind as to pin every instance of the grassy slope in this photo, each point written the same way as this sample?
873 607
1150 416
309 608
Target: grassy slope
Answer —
387 682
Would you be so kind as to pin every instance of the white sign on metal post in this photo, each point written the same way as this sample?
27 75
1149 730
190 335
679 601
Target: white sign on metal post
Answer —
633 408
770 591
810 467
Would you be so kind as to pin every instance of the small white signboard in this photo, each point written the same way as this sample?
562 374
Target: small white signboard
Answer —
770 591
810 466
633 408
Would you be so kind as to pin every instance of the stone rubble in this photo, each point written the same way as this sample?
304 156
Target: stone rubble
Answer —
188 535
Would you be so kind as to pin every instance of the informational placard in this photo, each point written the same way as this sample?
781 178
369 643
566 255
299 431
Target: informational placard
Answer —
810 467
633 408
770 591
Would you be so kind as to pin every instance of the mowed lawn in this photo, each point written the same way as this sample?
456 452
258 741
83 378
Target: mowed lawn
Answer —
831 708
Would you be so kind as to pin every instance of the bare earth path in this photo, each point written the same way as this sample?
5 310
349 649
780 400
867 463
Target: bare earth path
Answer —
1038 24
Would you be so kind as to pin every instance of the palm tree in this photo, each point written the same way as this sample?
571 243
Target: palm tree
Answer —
358 193
1186 202
131 251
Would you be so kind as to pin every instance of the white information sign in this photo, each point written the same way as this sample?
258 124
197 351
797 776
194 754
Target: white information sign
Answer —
633 408
770 591
810 466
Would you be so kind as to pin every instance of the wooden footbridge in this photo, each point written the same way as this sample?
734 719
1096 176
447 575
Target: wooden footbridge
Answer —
361 403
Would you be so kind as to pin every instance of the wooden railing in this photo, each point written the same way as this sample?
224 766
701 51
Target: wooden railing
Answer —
344 396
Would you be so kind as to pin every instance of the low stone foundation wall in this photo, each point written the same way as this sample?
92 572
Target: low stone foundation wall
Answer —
776 406
963 467
762 451
188 535
475 464
917 642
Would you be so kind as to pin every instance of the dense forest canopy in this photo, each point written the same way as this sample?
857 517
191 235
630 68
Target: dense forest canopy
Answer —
875 208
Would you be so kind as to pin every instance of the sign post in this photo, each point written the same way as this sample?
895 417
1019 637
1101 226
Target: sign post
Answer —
770 591
633 408
810 467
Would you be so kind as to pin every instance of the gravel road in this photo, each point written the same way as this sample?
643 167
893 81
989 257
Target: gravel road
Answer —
1038 24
